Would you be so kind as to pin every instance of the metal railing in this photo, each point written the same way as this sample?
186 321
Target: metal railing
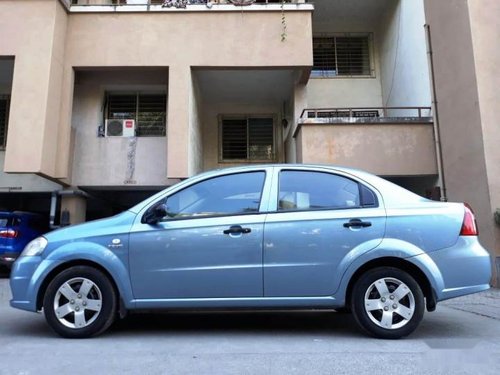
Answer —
367 112
176 3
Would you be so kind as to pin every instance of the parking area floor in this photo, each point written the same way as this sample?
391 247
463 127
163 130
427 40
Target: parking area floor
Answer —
461 337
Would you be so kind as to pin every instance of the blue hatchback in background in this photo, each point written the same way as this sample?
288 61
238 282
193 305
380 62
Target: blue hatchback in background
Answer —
17 229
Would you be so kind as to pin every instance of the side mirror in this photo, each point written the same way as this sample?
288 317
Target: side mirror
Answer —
155 214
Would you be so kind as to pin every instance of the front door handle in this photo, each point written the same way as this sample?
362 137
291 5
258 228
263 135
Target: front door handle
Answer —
237 229
357 223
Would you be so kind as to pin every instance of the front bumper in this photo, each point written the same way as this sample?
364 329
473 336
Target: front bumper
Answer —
26 278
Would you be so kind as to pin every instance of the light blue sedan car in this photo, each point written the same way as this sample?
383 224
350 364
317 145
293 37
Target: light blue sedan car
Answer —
259 237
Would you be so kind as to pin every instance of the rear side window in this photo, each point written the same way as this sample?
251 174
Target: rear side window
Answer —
303 190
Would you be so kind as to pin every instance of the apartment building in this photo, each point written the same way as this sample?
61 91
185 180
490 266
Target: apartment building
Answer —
103 102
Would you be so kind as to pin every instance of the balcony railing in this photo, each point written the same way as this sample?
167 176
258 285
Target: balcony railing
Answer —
375 113
178 3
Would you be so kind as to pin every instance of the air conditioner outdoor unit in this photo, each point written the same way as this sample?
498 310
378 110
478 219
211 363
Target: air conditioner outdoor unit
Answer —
120 128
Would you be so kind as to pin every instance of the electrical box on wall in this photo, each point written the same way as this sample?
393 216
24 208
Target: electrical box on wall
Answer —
120 128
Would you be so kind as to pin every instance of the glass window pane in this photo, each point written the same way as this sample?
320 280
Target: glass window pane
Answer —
260 133
224 195
302 190
151 115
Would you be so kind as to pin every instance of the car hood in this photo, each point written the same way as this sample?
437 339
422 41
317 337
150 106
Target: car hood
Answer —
117 224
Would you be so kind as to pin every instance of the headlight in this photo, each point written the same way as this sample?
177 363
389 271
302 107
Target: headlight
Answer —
35 247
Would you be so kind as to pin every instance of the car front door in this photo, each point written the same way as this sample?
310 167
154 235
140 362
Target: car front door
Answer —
322 221
208 246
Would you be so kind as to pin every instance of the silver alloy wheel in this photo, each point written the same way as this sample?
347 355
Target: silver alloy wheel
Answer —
389 303
77 303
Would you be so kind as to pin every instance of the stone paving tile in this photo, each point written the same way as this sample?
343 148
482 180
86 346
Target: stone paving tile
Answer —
485 303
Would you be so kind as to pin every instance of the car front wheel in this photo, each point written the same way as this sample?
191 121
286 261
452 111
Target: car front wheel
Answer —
387 303
80 302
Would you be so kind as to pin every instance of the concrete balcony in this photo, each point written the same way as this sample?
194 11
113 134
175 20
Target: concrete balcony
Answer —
384 141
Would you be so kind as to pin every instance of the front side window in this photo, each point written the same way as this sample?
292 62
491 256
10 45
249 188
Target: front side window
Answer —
4 119
344 55
225 195
303 190
247 139
148 111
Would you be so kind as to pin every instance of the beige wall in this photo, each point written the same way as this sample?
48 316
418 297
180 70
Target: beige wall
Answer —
211 129
484 18
36 88
462 96
382 149
56 42
343 91
102 161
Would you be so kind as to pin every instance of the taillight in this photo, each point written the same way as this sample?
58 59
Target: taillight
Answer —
469 225
8 233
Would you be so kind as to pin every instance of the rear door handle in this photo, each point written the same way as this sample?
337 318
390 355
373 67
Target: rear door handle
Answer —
357 223
237 229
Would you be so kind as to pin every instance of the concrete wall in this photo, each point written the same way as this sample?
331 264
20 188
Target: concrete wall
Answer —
195 152
99 161
403 55
57 42
345 91
36 88
211 128
23 183
484 16
382 149
459 104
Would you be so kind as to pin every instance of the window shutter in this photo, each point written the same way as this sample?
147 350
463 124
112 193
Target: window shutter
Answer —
341 56
4 119
324 56
151 115
234 139
122 106
261 139
353 56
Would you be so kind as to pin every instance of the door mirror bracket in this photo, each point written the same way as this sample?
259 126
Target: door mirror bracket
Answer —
155 214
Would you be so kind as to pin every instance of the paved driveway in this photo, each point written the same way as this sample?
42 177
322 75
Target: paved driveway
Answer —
449 341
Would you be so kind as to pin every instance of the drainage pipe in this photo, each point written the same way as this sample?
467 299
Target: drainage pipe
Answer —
435 115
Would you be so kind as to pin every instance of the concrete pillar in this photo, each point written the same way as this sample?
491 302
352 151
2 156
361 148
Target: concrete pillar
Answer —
179 91
76 205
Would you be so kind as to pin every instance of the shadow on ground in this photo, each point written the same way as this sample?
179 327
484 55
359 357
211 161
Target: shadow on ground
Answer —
290 322
4 272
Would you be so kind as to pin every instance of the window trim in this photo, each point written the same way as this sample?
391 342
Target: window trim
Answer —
359 183
371 54
222 117
164 199
7 98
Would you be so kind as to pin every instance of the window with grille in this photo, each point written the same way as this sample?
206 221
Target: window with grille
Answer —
148 111
345 55
247 139
4 119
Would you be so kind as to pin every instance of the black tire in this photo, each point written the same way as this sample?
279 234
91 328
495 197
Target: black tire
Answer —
400 327
106 299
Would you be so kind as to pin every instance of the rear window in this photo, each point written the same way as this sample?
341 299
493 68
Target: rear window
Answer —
9 221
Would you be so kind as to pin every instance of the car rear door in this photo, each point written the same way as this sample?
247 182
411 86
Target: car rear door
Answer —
321 222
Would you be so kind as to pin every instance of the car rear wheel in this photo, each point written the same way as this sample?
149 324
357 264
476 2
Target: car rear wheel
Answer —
387 303
80 302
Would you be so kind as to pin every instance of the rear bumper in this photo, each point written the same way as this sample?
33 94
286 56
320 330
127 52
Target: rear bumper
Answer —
7 259
465 268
